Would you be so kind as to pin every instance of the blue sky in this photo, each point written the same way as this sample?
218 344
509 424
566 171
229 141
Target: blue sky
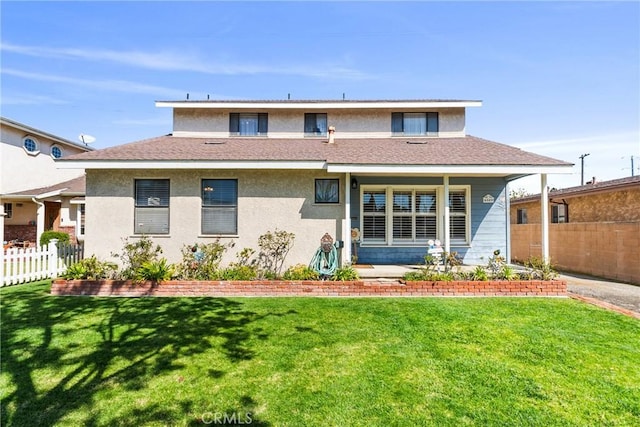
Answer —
556 78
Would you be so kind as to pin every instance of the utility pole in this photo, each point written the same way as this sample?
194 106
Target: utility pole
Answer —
582 156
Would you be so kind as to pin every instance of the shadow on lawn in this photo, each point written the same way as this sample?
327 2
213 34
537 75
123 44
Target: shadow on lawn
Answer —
149 334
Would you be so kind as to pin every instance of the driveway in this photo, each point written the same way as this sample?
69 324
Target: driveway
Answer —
618 294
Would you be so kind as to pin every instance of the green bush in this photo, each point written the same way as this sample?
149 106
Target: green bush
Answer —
202 261
300 272
90 268
239 272
47 236
346 273
155 271
135 254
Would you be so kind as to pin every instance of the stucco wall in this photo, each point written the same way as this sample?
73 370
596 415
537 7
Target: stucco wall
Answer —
22 171
267 200
290 123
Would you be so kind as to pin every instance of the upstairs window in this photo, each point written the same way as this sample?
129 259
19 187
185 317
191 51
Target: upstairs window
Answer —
315 124
418 124
30 145
56 152
151 206
219 206
248 124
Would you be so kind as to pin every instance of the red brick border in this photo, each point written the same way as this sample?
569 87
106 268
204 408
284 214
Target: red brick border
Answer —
274 288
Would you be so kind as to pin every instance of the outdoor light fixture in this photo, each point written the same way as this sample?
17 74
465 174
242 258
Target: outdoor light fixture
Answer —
354 183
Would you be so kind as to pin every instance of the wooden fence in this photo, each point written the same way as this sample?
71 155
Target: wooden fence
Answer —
21 265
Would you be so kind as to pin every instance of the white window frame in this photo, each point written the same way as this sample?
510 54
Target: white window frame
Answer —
34 152
389 214
8 213
52 149
153 204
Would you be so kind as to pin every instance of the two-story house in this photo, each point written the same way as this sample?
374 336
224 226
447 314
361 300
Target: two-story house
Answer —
36 196
395 174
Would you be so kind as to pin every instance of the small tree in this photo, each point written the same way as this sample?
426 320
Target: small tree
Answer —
274 247
135 254
49 235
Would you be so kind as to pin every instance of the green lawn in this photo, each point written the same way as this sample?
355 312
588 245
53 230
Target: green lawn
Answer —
310 361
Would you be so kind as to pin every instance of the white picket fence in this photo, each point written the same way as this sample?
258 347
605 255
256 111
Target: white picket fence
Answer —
21 265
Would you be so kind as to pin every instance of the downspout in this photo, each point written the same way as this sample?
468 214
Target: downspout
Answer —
39 220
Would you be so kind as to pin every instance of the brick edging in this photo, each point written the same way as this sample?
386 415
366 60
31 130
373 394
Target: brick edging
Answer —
121 288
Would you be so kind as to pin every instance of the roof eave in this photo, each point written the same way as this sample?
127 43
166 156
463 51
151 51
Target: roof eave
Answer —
320 105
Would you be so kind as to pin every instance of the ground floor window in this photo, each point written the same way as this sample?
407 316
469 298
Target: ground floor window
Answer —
522 216
412 215
219 206
8 210
559 214
151 206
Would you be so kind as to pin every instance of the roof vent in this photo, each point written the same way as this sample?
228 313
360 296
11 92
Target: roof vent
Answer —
332 130
214 142
417 142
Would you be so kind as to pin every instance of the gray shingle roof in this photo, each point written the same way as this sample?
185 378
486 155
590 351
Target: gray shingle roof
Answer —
467 150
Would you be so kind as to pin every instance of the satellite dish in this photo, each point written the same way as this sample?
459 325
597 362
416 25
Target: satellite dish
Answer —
86 139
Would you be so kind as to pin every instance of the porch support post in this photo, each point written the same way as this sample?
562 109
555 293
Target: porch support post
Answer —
346 233
507 208
39 220
2 241
544 207
447 222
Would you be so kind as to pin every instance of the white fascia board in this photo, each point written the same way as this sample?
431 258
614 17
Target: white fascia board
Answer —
317 105
448 169
184 164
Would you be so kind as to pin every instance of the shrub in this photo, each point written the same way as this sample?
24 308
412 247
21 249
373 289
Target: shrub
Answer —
479 273
155 270
202 261
274 247
538 269
90 268
300 272
47 236
346 273
238 272
135 254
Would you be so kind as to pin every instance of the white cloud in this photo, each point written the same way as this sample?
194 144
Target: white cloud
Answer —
105 85
184 61
30 99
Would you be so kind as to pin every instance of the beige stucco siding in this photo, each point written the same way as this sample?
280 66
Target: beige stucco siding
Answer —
290 123
20 170
267 200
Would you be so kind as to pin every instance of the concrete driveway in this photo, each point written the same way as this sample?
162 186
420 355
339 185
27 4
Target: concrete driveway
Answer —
616 294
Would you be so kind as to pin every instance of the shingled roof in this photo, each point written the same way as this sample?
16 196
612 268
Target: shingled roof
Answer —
457 151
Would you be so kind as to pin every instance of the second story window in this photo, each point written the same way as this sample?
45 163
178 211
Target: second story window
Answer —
248 124
315 124
425 124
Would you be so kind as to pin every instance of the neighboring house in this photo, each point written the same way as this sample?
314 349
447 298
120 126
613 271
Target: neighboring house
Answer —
35 195
401 172
594 228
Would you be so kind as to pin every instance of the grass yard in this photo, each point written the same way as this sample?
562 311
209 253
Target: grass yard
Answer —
70 361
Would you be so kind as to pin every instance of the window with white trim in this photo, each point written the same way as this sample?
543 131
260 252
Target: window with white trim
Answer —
458 216
151 206
30 145
220 206
405 215
56 152
82 208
